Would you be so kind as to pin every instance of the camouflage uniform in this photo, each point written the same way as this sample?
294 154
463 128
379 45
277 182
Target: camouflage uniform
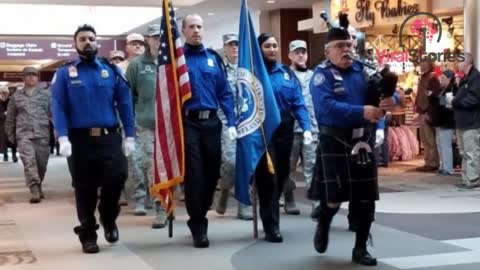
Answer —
142 161
307 152
27 123
229 147
229 150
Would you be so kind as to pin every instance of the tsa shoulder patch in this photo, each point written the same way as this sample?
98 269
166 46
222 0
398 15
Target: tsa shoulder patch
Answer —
318 79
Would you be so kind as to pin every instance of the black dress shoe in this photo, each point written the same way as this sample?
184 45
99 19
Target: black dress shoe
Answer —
111 234
90 247
200 241
361 256
320 240
274 236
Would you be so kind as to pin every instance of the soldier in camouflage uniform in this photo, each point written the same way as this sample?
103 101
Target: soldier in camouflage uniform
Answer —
27 123
142 76
298 57
229 147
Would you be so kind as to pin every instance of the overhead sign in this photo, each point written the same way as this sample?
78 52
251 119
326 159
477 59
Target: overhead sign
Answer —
25 49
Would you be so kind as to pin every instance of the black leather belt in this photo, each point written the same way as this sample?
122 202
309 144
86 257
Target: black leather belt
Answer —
336 132
94 132
200 115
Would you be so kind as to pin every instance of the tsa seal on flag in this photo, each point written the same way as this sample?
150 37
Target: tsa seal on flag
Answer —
251 103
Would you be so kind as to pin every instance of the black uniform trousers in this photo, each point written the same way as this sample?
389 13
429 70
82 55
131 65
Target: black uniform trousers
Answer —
97 162
270 186
202 168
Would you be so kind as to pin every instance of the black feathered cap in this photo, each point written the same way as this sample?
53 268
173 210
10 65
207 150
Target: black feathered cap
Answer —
339 33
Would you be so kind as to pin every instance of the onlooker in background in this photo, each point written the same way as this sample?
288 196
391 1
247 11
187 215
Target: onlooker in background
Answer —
116 57
3 115
12 145
27 123
135 47
428 84
466 105
443 120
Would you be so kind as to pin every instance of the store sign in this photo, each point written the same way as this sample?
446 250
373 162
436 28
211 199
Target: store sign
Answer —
364 13
22 49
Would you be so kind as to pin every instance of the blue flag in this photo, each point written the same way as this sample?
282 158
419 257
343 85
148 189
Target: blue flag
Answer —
258 114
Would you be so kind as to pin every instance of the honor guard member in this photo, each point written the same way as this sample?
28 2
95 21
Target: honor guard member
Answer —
229 147
298 56
86 94
27 124
142 76
346 168
288 95
202 127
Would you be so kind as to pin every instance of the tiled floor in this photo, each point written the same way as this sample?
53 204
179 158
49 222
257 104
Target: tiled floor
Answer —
422 223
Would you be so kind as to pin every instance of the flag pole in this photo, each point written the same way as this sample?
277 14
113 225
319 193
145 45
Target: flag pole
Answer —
171 193
270 166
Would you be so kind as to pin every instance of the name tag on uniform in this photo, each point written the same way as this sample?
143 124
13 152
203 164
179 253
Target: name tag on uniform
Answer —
210 62
339 90
76 81
357 133
286 76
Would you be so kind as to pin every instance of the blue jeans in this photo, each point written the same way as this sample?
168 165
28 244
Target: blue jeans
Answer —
444 146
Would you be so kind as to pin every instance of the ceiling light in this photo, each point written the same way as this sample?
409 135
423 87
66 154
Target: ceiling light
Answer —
271 2
211 14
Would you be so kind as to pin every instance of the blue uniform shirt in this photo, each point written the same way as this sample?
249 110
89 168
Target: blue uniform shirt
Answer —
208 82
339 96
288 94
87 95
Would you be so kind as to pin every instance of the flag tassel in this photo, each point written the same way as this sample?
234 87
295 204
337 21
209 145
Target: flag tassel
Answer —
271 168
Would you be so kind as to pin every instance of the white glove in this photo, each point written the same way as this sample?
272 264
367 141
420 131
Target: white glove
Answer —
129 146
379 137
232 133
307 137
65 146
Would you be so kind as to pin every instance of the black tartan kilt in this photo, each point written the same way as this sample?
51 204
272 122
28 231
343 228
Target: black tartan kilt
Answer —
337 178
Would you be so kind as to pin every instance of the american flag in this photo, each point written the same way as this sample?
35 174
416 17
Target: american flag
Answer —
172 90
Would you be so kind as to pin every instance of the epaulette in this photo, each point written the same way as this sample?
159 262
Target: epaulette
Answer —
325 64
219 59
66 64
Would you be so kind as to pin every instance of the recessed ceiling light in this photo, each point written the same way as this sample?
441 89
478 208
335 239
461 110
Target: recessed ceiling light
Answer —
211 14
271 2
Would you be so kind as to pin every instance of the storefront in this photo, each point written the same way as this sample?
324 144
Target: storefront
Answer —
398 33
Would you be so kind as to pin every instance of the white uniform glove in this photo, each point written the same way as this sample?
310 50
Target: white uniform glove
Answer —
379 137
129 146
232 133
65 146
307 137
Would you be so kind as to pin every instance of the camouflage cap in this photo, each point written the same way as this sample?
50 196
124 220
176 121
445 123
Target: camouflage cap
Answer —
297 44
227 38
30 70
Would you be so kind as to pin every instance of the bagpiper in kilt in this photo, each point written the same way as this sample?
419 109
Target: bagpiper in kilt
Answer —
346 168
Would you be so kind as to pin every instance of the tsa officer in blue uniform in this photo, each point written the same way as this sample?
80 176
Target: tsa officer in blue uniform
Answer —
289 98
202 127
346 168
86 95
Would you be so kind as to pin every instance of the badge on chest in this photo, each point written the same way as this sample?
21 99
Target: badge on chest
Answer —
72 72
210 62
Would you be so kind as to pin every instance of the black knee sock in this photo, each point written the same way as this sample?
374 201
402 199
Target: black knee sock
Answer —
327 214
362 234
